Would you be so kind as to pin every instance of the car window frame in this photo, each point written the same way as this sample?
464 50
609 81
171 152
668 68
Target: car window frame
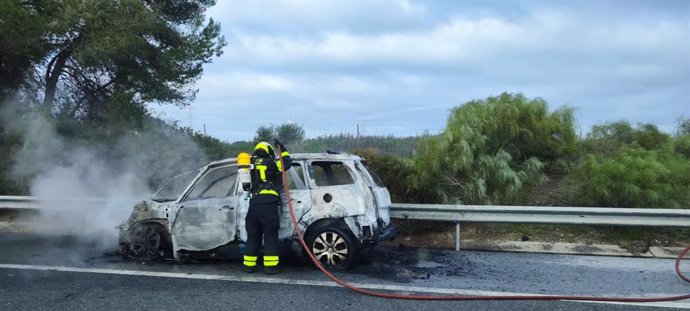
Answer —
329 173
192 186
303 176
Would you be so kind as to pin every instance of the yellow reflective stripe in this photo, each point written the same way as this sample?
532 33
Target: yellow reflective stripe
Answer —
250 261
280 166
270 261
273 192
262 171
284 154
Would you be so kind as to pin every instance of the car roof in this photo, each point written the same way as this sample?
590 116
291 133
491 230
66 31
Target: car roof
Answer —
299 157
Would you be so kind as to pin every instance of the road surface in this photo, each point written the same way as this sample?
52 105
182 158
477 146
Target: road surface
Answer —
67 273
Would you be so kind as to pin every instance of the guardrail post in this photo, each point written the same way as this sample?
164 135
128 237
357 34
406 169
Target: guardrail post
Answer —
457 236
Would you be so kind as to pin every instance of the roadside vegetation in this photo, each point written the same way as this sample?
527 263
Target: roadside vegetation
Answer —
89 73
78 75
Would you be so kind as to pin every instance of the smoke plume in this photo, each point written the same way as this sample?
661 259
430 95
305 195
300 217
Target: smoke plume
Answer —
90 187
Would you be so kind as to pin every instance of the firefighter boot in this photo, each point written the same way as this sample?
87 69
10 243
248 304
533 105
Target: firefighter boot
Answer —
272 270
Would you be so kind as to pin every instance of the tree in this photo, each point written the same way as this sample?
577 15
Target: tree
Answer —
289 133
141 50
21 44
683 126
265 133
610 137
620 132
492 149
94 65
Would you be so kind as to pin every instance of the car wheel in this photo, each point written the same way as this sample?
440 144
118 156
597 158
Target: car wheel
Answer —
333 247
147 243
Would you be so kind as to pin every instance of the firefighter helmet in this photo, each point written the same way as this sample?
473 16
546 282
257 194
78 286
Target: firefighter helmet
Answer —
265 147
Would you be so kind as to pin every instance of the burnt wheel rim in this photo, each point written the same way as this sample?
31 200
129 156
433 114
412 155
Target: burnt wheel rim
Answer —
330 249
146 244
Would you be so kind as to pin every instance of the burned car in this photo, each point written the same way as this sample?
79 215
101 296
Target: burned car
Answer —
341 207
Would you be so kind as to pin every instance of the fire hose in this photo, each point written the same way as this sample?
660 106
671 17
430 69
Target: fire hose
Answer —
467 297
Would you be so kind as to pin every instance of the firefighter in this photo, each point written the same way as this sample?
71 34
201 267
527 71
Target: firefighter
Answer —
263 216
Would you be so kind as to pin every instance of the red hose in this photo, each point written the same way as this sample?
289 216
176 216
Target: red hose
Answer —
678 260
451 297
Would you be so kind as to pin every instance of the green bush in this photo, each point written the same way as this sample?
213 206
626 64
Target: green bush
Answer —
214 148
396 173
681 145
493 149
635 177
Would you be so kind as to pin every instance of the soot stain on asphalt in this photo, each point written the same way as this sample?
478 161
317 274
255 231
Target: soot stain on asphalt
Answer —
404 265
398 264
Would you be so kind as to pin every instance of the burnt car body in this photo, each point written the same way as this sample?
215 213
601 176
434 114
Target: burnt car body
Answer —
341 207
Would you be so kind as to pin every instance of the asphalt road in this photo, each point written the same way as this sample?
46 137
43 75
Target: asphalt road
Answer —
65 273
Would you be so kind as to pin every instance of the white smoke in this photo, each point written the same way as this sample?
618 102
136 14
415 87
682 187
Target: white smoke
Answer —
89 189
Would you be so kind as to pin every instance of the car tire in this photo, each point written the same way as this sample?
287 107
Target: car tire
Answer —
148 243
333 247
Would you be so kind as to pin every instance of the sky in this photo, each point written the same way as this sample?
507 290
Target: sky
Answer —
396 67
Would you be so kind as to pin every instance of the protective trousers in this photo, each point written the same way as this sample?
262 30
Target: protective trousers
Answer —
262 221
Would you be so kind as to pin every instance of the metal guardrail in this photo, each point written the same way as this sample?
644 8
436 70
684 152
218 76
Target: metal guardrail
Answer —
34 203
471 213
541 215
18 202
544 215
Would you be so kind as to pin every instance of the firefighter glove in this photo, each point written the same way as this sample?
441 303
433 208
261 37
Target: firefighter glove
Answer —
280 145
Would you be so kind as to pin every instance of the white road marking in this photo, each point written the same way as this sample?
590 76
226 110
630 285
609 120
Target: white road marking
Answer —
273 280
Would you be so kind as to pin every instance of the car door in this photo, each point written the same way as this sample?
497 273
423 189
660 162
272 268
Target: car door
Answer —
301 203
300 197
334 193
207 216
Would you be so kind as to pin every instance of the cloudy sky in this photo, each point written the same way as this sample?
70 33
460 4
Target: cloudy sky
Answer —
398 67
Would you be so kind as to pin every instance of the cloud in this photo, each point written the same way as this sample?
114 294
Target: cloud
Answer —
244 82
304 17
460 41
335 64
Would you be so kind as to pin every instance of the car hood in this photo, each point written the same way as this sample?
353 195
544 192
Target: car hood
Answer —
147 210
